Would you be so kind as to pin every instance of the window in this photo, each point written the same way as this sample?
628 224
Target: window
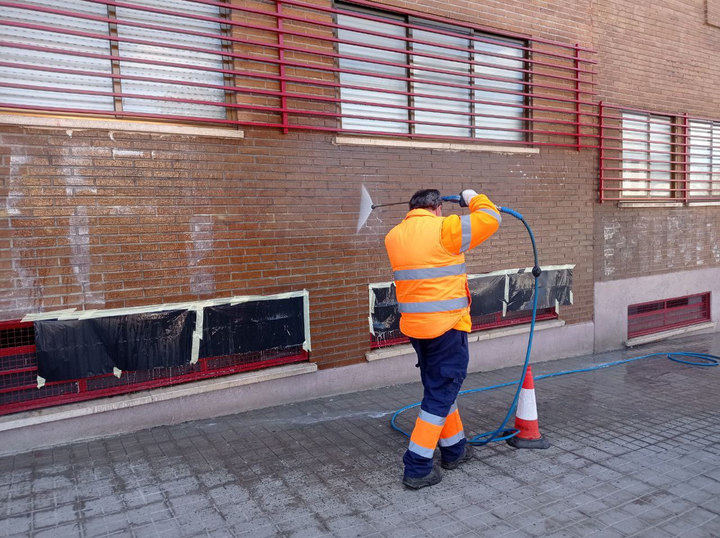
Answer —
657 316
646 151
704 159
42 50
656 157
437 79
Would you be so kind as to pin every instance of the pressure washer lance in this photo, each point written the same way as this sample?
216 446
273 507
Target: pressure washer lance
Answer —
456 199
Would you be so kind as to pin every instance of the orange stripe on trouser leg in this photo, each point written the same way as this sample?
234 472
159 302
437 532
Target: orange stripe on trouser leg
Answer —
425 436
452 432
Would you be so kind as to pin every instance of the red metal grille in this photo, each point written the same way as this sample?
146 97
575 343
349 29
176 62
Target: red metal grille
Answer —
496 320
290 64
657 316
18 371
647 156
479 323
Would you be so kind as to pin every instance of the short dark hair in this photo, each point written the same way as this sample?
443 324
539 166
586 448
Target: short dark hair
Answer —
426 199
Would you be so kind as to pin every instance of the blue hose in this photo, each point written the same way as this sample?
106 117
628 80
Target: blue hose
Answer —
501 433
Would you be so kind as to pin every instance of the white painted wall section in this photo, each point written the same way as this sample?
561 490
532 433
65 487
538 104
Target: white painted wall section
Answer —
612 299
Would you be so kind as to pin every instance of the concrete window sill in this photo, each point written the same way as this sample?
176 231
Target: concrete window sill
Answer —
665 204
417 144
630 342
70 124
478 336
650 204
79 409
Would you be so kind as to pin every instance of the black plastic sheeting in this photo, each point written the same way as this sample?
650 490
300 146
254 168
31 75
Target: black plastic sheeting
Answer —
488 297
252 326
487 294
385 316
554 285
73 349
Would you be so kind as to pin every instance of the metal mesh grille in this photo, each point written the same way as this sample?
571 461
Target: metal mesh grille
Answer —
16 336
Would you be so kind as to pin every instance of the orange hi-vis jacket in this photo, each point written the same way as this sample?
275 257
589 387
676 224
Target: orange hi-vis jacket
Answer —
427 256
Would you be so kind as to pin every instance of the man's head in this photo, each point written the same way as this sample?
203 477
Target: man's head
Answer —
427 199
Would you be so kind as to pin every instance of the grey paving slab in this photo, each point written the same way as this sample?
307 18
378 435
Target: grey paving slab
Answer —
632 455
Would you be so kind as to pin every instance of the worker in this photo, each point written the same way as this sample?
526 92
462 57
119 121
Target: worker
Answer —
426 251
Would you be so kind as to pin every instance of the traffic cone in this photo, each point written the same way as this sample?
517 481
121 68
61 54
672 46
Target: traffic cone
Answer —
526 418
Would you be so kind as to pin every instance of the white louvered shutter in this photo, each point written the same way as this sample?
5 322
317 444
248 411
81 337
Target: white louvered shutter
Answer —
56 40
452 99
368 83
168 54
494 93
704 159
660 148
646 146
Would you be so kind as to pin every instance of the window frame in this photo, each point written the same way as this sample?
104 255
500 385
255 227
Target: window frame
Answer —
524 136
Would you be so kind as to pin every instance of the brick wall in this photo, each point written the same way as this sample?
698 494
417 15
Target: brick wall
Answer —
95 219
713 12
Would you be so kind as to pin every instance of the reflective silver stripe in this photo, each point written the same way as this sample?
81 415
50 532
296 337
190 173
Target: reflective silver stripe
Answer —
452 409
466 226
432 419
421 450
450 441
433 306
492 212
430 272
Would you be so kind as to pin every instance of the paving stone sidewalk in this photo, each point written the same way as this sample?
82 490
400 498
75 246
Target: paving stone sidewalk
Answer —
636 451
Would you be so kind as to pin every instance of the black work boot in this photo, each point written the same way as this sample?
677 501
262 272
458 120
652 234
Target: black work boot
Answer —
430 479
466 456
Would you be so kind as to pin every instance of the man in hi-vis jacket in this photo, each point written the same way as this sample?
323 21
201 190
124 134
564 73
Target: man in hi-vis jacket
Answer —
426 251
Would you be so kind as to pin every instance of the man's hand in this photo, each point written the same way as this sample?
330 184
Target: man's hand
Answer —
466 196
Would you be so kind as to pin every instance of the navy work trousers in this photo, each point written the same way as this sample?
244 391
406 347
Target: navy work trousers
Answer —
443 363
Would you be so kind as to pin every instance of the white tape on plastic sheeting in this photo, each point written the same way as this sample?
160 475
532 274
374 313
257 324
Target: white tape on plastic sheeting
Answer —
307 346
197 333
555 267
39 316
149 309
73 313
40 382
247 298
520 270
371 302
507 295
503 272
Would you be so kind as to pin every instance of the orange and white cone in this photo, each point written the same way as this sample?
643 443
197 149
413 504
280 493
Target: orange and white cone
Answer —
526 418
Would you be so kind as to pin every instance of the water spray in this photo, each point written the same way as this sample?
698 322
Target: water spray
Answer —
367 205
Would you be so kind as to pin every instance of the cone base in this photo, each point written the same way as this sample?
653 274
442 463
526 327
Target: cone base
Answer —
517 442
